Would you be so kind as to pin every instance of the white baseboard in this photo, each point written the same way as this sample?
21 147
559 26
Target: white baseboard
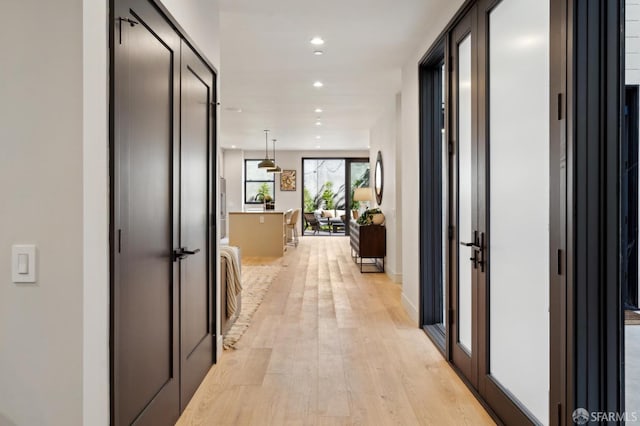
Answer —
412 311
396 278
219 347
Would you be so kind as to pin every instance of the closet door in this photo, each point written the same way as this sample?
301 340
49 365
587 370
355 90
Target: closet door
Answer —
145 321
197 332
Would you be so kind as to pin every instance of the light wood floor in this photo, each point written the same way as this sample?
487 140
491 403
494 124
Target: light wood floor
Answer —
331 346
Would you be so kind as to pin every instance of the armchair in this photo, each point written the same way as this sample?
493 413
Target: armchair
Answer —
310 220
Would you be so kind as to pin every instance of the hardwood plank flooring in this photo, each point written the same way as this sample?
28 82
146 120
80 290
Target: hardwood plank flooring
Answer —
332 346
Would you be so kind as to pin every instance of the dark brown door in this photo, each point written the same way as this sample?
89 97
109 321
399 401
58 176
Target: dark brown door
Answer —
145 388
196 325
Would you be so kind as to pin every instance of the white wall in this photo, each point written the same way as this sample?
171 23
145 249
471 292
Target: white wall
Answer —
398 191
233 172
95 222
384 137
53 130
201 21
41 193
410 160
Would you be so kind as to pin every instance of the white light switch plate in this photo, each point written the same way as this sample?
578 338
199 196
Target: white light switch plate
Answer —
23 263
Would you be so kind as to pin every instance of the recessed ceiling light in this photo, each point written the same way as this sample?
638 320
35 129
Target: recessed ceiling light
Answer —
318 84
318 146
233 147
233 109
318 110
318 137
318 123
317 41
318 52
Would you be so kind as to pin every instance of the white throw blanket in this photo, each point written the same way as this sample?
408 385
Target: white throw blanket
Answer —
234 284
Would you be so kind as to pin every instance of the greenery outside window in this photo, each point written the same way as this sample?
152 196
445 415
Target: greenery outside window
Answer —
258 184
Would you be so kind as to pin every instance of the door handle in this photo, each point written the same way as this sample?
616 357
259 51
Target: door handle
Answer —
182 253
474 246
478 250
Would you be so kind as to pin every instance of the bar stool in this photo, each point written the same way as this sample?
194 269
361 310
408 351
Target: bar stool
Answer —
292 227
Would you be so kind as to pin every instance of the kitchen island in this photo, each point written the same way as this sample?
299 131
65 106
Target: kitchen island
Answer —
261 234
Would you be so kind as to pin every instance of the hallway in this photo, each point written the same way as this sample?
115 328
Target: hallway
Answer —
331 346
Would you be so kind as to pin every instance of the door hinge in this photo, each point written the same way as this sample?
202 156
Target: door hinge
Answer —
559 262
450 148
451 316
559 106
130 21
450 232
119 240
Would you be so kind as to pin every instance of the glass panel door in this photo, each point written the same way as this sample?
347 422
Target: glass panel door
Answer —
324 201
465 189
444 202
463 253
517 212
358 178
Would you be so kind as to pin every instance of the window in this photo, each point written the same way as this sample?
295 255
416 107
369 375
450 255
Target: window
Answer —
257 182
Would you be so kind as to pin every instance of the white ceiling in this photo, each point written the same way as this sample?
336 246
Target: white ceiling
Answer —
268 68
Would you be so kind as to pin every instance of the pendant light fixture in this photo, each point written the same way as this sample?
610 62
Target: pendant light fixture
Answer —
276 168
266 163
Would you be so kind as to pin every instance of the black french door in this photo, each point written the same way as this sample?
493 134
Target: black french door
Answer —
499 134
464 192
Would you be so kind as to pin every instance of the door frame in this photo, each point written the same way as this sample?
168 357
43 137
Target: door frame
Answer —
212 242
630 121
347 187
431 196
595 83
347 183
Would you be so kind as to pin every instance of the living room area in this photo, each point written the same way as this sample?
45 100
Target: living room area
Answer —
329 193
322 183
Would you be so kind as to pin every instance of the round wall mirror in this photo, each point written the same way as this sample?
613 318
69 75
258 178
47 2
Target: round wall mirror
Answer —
379 179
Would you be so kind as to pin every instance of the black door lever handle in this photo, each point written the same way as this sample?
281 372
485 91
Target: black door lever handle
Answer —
182 253
474 246
478 250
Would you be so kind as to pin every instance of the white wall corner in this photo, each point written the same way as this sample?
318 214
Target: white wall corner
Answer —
410 308
95 352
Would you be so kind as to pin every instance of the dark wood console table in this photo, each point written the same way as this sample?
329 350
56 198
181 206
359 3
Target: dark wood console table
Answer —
368 242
